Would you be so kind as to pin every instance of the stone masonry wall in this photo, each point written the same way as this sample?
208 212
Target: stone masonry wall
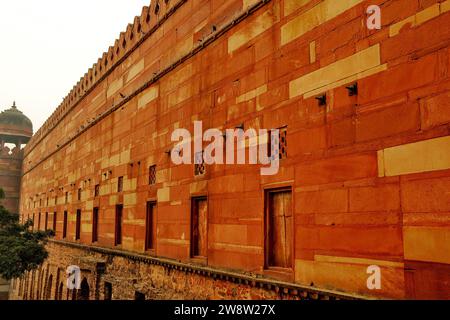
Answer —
369 172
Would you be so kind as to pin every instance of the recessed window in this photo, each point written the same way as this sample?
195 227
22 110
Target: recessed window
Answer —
95 225
55 220
108 291
150 223
97 190
39 222
152 175
281 141
46 221
79 194
78 225
67 197
120 184
199 218
65 225
118 223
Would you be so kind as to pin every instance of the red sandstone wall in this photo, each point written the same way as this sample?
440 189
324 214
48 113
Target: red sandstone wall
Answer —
370 173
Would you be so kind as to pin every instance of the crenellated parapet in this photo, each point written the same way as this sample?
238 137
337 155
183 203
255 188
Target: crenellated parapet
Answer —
151 18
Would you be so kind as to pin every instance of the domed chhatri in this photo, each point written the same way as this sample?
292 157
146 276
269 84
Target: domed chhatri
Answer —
14 122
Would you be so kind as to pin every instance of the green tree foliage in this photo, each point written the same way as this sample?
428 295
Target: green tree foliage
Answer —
21 249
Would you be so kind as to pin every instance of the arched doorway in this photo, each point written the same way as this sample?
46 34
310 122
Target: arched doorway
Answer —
84 290
60 291
48 293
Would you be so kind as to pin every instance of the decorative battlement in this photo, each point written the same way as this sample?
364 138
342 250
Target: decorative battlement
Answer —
151 18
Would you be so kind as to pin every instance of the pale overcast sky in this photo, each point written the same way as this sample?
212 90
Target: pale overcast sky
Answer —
47 45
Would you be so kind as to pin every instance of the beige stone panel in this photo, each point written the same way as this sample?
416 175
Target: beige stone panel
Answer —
129 184
428 14
163 195
328 76
135 70
321 13
148 96
89 205
115 86
252 94
162 175
363 261
248 3
252 29
445 6
293 5
130 199
114 160
349 277
200 186
236 248
428 244
113 200
105 162
176 78
86 227
125 157
423 156
105 189
312 52
175 242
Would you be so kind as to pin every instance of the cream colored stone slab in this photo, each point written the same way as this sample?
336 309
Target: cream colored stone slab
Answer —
251 31
312 52
445 6
115 86
251 94
135 70
113 200
125 157
428 14
89 205
423 156
427 244
293 5
321 13
148 96
163 194
130 199
351 260
199 186
351 66
248 3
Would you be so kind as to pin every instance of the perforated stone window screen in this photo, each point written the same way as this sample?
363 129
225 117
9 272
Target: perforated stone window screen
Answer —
152 175
200 167
281 141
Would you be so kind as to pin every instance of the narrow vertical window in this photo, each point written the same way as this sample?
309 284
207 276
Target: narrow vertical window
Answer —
200 168
108 291
199 216
119 217
65 225
120 184
279 229
66 197
79 194
97 190
78 226
95 225
46 221
150 223
55 220
39 222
